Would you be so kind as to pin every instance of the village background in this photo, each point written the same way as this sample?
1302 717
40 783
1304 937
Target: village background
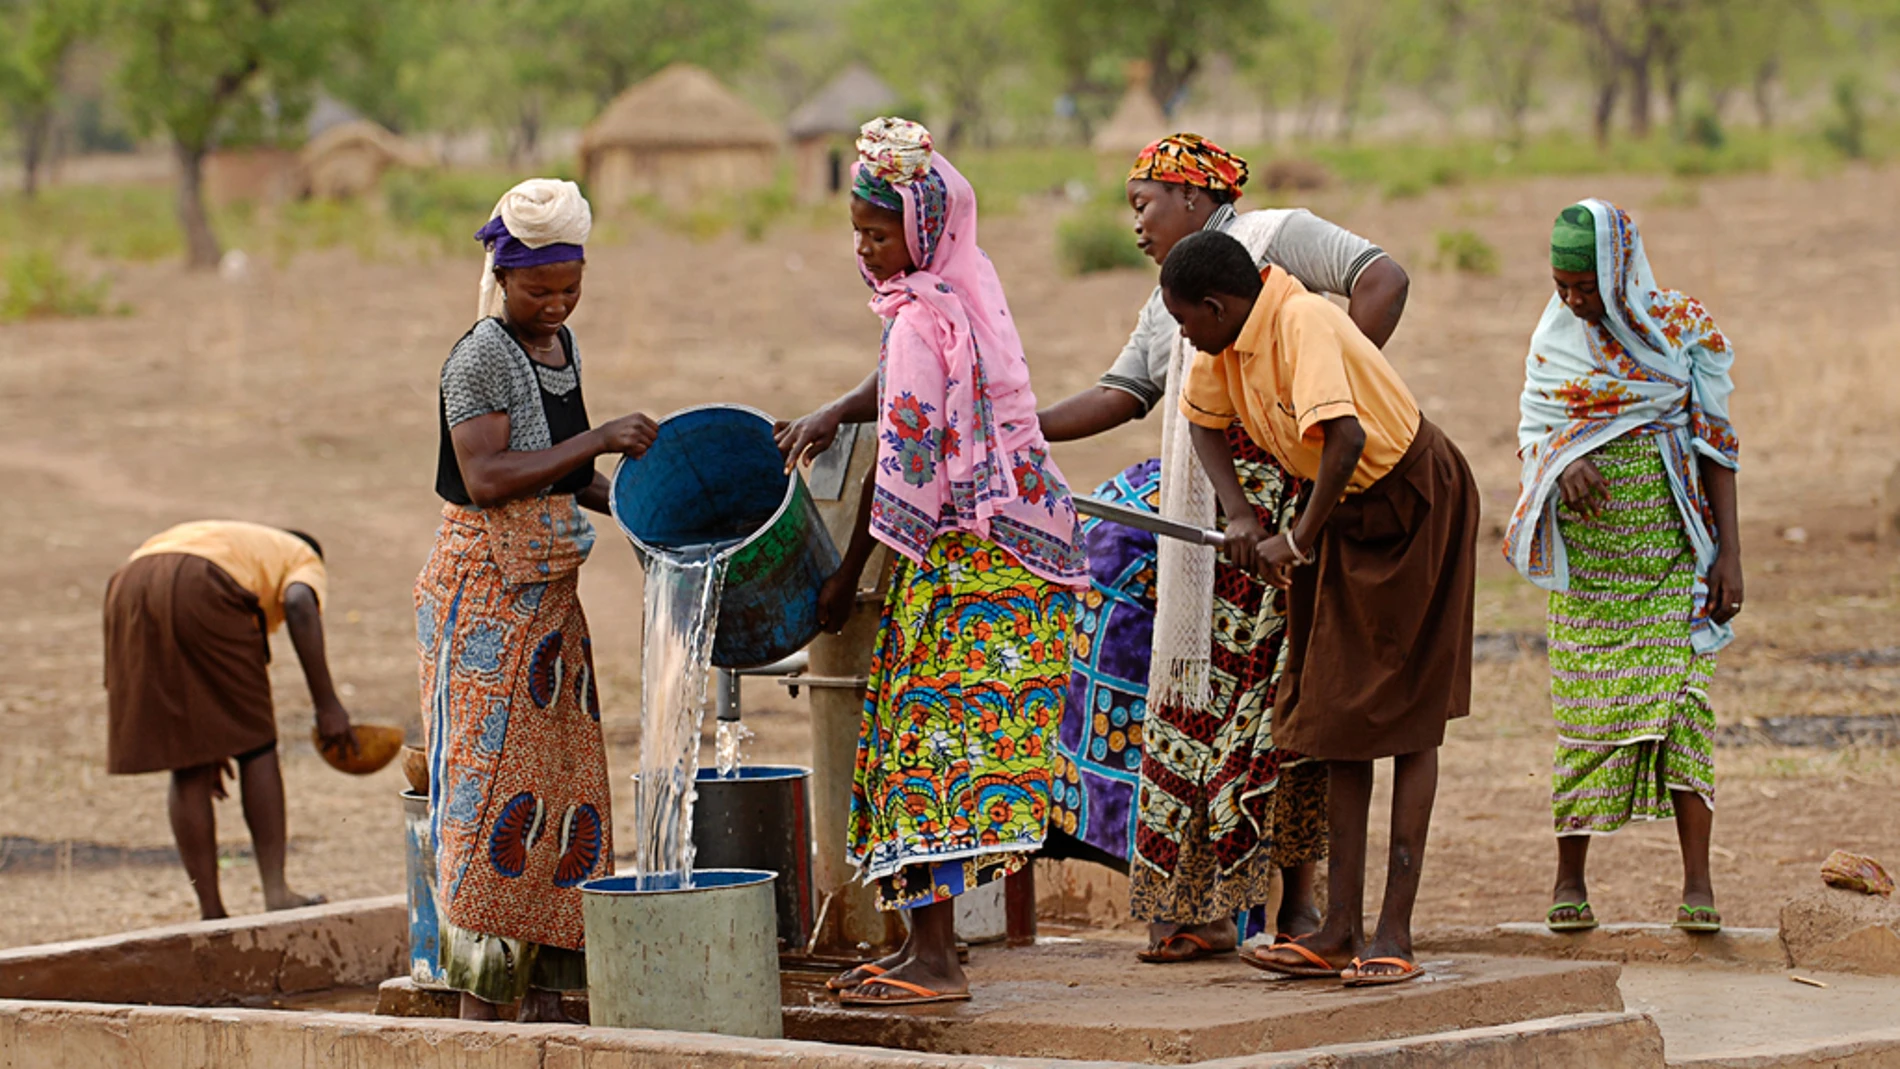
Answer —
235 247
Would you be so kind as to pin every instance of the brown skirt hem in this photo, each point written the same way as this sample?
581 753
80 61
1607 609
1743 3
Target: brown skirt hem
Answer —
1379 627
186 667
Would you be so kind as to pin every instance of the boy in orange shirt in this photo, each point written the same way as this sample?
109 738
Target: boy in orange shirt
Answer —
1386 539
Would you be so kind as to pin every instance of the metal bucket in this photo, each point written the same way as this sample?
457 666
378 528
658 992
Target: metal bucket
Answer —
714 475
425 932
703 959
761 819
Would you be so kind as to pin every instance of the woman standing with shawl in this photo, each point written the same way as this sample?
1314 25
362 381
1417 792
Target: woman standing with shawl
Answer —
519 803
1628 518
972 658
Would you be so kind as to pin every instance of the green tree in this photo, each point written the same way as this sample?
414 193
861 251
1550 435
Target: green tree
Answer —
950 54
199 68
1511 39
36 39
519 65
1174 36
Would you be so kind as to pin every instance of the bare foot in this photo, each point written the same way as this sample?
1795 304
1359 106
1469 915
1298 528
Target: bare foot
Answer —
291 900
1369 967
945 978
1171 943
852 977
1333 951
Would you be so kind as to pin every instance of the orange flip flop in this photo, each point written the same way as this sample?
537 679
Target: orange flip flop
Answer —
844 982
1317 968
922 996
1158 954
1408 970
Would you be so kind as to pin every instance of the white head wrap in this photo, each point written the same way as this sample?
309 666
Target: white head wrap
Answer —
538 213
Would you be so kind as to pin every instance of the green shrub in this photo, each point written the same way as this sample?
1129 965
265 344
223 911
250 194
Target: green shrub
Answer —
1463 250
1405 187
1705 130
35 286
1846 129
1094 239
446 205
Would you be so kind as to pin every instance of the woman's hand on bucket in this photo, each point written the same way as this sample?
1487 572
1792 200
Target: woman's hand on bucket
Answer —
836 599
807 436
628 435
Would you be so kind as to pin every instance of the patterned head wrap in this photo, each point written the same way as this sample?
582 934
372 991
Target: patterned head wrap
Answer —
1573 240
1191 160
891 152
541 221
896 171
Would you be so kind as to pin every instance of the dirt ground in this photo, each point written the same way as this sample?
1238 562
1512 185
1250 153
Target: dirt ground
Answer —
305 396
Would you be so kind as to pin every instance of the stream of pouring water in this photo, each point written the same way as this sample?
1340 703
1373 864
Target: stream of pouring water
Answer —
682 611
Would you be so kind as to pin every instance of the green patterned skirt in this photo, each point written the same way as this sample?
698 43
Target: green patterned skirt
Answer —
1629 692
968 679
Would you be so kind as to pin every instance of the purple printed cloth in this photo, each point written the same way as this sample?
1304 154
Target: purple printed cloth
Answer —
1098 749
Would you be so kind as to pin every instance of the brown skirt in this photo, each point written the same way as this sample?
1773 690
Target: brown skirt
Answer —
1379 627
187 681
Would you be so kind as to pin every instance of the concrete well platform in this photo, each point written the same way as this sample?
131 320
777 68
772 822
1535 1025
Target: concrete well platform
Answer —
1090 1000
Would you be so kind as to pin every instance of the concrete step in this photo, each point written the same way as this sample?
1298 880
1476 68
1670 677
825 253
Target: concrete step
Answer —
1878 1049
1091 1000
1757 948
1577 1041
1744 1019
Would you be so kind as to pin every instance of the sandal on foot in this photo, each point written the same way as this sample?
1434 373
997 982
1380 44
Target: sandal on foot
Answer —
1702 920
1585 920
1354 977
919 994
854 977
1313 967
1159 953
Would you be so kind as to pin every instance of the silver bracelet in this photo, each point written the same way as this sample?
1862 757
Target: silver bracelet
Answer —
1294 548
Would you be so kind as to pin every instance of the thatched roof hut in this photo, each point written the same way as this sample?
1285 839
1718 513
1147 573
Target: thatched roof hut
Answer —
676 136
1138 120
825 126
348 159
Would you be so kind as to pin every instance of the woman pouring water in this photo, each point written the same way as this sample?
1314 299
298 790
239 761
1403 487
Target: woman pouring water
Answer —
519 800
952 788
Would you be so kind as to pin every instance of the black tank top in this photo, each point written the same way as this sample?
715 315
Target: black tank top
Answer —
566 414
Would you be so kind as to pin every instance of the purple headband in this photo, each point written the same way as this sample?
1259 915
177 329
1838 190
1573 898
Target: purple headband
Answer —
512 253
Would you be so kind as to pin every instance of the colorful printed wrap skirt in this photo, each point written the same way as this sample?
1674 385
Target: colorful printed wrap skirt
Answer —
1098 749
519 798
952 787
1630 694
1209 806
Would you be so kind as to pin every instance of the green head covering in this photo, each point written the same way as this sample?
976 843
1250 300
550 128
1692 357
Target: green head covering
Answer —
1573 241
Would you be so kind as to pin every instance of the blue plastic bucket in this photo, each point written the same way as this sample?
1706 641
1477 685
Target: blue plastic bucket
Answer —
715 476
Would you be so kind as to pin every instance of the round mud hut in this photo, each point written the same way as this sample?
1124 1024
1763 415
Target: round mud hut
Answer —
349 159
1138 120
676 137
825 127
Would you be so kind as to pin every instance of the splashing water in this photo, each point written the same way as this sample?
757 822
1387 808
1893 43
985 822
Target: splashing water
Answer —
729 747
682 613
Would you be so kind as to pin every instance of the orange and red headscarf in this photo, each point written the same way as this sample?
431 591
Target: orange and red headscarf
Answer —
1191 160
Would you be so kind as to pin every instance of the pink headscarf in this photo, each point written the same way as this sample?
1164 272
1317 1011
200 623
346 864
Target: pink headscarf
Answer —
959 447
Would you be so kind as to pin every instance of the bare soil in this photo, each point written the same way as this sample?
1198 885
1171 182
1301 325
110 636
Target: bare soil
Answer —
305 396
